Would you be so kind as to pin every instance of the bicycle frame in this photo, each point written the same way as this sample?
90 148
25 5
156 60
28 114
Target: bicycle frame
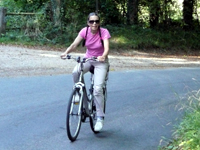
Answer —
80 85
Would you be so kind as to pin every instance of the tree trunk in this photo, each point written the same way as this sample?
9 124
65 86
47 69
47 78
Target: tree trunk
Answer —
196 12
56 5
154 9
132 12
97 6
2 21
188 7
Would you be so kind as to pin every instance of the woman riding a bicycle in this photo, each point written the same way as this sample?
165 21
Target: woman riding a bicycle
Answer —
96 40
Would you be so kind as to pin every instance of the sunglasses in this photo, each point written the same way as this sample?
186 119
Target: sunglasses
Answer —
92 21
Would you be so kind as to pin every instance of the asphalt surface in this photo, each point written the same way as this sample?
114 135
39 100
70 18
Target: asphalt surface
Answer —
142 108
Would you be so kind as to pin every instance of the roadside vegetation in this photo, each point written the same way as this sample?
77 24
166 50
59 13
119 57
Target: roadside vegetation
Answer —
124 38
187 133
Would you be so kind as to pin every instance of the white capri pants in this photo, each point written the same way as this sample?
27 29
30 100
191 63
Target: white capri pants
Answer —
100 75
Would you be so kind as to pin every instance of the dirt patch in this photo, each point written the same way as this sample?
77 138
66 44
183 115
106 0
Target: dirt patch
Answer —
20 61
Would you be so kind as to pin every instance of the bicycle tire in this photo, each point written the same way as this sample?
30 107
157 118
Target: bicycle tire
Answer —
105 98
93 117
73 118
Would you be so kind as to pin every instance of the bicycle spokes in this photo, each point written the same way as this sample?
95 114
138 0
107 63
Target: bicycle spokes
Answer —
74 114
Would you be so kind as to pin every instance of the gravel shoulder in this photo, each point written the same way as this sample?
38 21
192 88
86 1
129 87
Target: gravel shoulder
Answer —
20 61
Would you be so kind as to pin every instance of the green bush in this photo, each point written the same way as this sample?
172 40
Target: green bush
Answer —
123 37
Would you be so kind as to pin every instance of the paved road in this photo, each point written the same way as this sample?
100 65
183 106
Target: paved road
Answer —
142 108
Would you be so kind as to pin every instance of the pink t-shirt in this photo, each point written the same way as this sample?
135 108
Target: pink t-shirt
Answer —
93 42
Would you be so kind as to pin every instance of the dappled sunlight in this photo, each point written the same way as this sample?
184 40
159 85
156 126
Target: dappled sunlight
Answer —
48 55
143 62
177 61
119 40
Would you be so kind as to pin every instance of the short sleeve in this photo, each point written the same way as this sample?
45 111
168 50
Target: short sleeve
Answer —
105 34
83 32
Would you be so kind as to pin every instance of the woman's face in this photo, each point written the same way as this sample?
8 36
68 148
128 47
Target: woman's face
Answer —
94 22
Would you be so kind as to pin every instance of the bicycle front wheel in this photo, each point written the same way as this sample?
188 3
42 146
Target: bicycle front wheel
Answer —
74 113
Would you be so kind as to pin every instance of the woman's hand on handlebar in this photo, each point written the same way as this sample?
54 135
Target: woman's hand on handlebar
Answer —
63 56
101 58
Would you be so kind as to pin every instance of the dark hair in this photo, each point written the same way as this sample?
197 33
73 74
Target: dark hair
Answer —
92 14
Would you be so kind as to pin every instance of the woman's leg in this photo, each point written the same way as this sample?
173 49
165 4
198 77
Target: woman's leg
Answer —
100 73
76 71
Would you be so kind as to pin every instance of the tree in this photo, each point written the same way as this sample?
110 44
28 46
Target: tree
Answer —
154 9
188 8
56 7
110 12
132 12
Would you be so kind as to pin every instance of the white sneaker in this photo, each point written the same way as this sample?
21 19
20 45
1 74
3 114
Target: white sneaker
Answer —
99 125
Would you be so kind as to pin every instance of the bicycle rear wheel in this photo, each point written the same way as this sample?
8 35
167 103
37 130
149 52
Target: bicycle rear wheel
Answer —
93 117
105 98
74 114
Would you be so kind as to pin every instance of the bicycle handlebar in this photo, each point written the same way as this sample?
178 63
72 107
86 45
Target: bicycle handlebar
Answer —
78 59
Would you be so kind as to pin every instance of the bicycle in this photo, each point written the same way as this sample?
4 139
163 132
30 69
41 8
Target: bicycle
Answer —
77 112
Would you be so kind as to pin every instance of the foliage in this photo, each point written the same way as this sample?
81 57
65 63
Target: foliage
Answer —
8 3
111 11
135 37
45 28
187 134
129 38
30 5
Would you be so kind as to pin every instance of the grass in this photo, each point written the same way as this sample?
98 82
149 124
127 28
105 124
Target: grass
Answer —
187 133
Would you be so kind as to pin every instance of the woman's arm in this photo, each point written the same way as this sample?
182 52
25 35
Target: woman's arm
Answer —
106 50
